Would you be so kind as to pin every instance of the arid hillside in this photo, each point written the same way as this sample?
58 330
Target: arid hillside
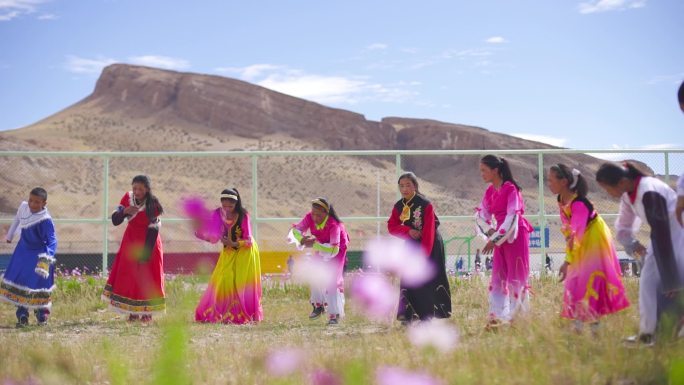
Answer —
143 109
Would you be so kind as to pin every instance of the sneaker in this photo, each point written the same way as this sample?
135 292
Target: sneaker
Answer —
22 322
42 322
642 339
133 317
146 318
317 311
333 321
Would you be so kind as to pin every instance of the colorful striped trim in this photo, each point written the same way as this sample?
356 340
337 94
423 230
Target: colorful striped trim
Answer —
23 296
43 265
133 306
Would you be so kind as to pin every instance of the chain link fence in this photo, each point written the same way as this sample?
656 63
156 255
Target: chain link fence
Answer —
276 188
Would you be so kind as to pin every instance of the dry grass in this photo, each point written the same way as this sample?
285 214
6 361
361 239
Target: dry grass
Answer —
85 343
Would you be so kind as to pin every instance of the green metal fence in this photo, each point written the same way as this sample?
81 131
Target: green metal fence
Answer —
84 187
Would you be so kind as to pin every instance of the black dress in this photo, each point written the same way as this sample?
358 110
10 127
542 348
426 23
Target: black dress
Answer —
433 298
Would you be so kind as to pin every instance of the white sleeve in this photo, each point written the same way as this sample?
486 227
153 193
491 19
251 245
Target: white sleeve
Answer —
680 186
626 225
15 223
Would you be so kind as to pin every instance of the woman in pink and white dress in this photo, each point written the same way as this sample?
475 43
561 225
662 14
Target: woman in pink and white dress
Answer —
329 240
508 238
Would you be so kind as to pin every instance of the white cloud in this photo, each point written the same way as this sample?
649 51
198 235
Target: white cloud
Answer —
160 62
496 40
616 156
467 53
47 16
9 15
11 9
423 64
596 6
478 57
552 140
377 47
655 161
81 65
250 72
324 89
658 146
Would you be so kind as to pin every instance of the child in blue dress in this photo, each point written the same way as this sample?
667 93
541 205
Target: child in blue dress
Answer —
28 281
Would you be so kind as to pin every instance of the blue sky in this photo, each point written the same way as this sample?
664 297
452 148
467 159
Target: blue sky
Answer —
577 73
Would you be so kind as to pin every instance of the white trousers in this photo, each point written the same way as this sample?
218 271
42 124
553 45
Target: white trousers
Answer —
648 295
505 306
332 296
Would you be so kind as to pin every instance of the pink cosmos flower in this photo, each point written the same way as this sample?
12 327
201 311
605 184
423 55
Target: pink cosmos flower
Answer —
376 296
437 333
389 375
284 362
314 272
324 377
404 259
206 223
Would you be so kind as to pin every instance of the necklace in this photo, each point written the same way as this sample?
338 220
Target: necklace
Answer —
406 211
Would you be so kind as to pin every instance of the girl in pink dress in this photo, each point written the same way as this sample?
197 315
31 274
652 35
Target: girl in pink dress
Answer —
233 295
329 241
591 271
508 237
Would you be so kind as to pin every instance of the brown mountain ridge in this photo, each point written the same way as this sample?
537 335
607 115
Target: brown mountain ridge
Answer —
137 108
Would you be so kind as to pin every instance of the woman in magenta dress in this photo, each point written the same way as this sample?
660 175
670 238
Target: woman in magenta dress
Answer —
329 240
136 282
508 237
233 295
591 271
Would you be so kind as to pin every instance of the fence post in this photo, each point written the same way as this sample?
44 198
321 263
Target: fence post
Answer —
397 166
667 167
105 215
255 203
542 213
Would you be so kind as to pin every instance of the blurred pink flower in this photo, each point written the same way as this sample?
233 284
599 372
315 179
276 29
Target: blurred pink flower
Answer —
284 361
404 259
376 296
206 222
314 272
389 375
193 207
324 377
437 333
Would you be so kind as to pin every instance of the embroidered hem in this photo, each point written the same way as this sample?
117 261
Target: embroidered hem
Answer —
133 306
25 297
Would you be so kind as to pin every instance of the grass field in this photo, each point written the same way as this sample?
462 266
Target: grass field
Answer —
87 344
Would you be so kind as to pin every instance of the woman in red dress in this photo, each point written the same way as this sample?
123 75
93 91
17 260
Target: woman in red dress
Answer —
136 281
